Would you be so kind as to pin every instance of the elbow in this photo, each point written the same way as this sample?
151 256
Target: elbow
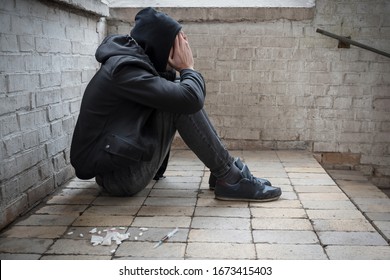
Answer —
194 107
199 105
194 101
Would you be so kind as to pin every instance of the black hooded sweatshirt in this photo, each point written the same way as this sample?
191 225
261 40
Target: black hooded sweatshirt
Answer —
117 121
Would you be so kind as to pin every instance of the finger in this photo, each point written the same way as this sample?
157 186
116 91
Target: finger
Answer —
171 62
176 43
182 41
185 36
171 52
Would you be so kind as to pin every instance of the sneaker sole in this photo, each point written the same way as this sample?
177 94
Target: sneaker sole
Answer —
247 199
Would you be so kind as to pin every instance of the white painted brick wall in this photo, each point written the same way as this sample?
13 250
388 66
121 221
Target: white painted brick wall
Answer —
280 84
46 60
271 84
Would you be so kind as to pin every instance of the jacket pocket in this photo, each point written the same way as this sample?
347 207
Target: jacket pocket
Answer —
127 150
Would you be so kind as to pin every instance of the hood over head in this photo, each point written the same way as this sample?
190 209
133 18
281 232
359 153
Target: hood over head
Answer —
114 45
155 32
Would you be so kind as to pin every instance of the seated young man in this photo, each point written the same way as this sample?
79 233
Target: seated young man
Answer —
132 108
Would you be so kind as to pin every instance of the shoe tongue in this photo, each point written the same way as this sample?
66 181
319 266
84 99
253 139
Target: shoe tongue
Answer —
245 172
238 163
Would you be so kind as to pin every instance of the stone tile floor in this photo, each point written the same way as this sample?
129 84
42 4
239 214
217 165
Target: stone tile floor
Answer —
322 216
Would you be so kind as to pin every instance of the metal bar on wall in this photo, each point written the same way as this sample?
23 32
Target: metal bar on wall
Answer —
352 42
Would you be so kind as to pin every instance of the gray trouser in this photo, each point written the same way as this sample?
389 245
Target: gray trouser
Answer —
196 131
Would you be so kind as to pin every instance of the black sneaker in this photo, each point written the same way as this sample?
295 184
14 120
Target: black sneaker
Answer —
240 165
249 188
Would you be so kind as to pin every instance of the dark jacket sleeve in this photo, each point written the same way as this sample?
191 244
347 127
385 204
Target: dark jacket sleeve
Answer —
141 86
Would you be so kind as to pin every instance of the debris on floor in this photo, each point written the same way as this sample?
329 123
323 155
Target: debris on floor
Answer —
111 235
